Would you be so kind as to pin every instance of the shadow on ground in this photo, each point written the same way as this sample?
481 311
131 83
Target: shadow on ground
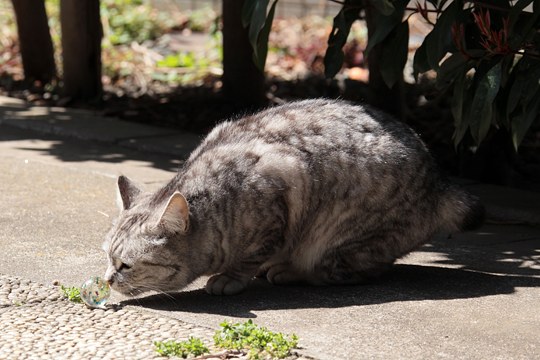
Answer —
74 150
498 249
404 283
475 265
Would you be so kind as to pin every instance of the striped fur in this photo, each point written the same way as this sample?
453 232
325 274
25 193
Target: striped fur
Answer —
315 191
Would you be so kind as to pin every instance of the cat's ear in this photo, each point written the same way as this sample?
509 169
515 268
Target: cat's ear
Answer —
175 217
127 192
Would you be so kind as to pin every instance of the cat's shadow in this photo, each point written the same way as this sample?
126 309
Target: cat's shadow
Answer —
403 283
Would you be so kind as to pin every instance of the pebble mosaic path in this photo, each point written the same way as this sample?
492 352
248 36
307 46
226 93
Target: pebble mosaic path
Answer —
37 322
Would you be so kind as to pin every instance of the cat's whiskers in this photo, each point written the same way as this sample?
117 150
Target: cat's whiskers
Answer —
132 296
159 292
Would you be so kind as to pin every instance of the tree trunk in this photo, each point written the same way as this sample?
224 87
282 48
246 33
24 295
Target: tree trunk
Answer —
243 82
381 96
35 40
81 48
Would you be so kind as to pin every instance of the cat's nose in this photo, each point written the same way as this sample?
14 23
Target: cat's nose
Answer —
109 279
109 276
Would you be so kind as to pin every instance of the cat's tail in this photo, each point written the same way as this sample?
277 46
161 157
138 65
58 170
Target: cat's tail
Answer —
460 211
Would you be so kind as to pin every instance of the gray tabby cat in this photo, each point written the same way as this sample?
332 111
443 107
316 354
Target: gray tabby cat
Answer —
316 191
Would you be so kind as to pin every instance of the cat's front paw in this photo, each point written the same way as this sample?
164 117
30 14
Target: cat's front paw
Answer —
222 284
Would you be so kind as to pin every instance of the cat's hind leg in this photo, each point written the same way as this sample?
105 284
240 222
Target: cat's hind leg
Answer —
350 269
357 262
336 271
349 264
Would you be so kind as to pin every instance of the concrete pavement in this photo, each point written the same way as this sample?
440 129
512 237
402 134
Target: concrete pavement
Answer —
475 296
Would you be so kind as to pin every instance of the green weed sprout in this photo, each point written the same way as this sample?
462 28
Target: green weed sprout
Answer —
72 293
193 346
259 342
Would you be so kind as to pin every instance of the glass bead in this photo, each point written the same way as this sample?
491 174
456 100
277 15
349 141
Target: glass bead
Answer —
95 292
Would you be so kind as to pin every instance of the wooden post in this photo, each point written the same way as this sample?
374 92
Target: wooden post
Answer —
35 40
81 48
243 82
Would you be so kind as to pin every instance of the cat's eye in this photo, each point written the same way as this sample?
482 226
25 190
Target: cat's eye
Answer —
124 266
120 265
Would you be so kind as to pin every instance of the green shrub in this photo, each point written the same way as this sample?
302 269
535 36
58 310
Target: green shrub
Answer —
485 54
125 21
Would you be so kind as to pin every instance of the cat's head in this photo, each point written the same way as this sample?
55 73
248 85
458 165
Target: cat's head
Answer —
146 241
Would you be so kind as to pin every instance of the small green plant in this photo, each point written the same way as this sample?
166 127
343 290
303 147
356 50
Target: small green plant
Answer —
186 59
259 342
193 346
72 293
